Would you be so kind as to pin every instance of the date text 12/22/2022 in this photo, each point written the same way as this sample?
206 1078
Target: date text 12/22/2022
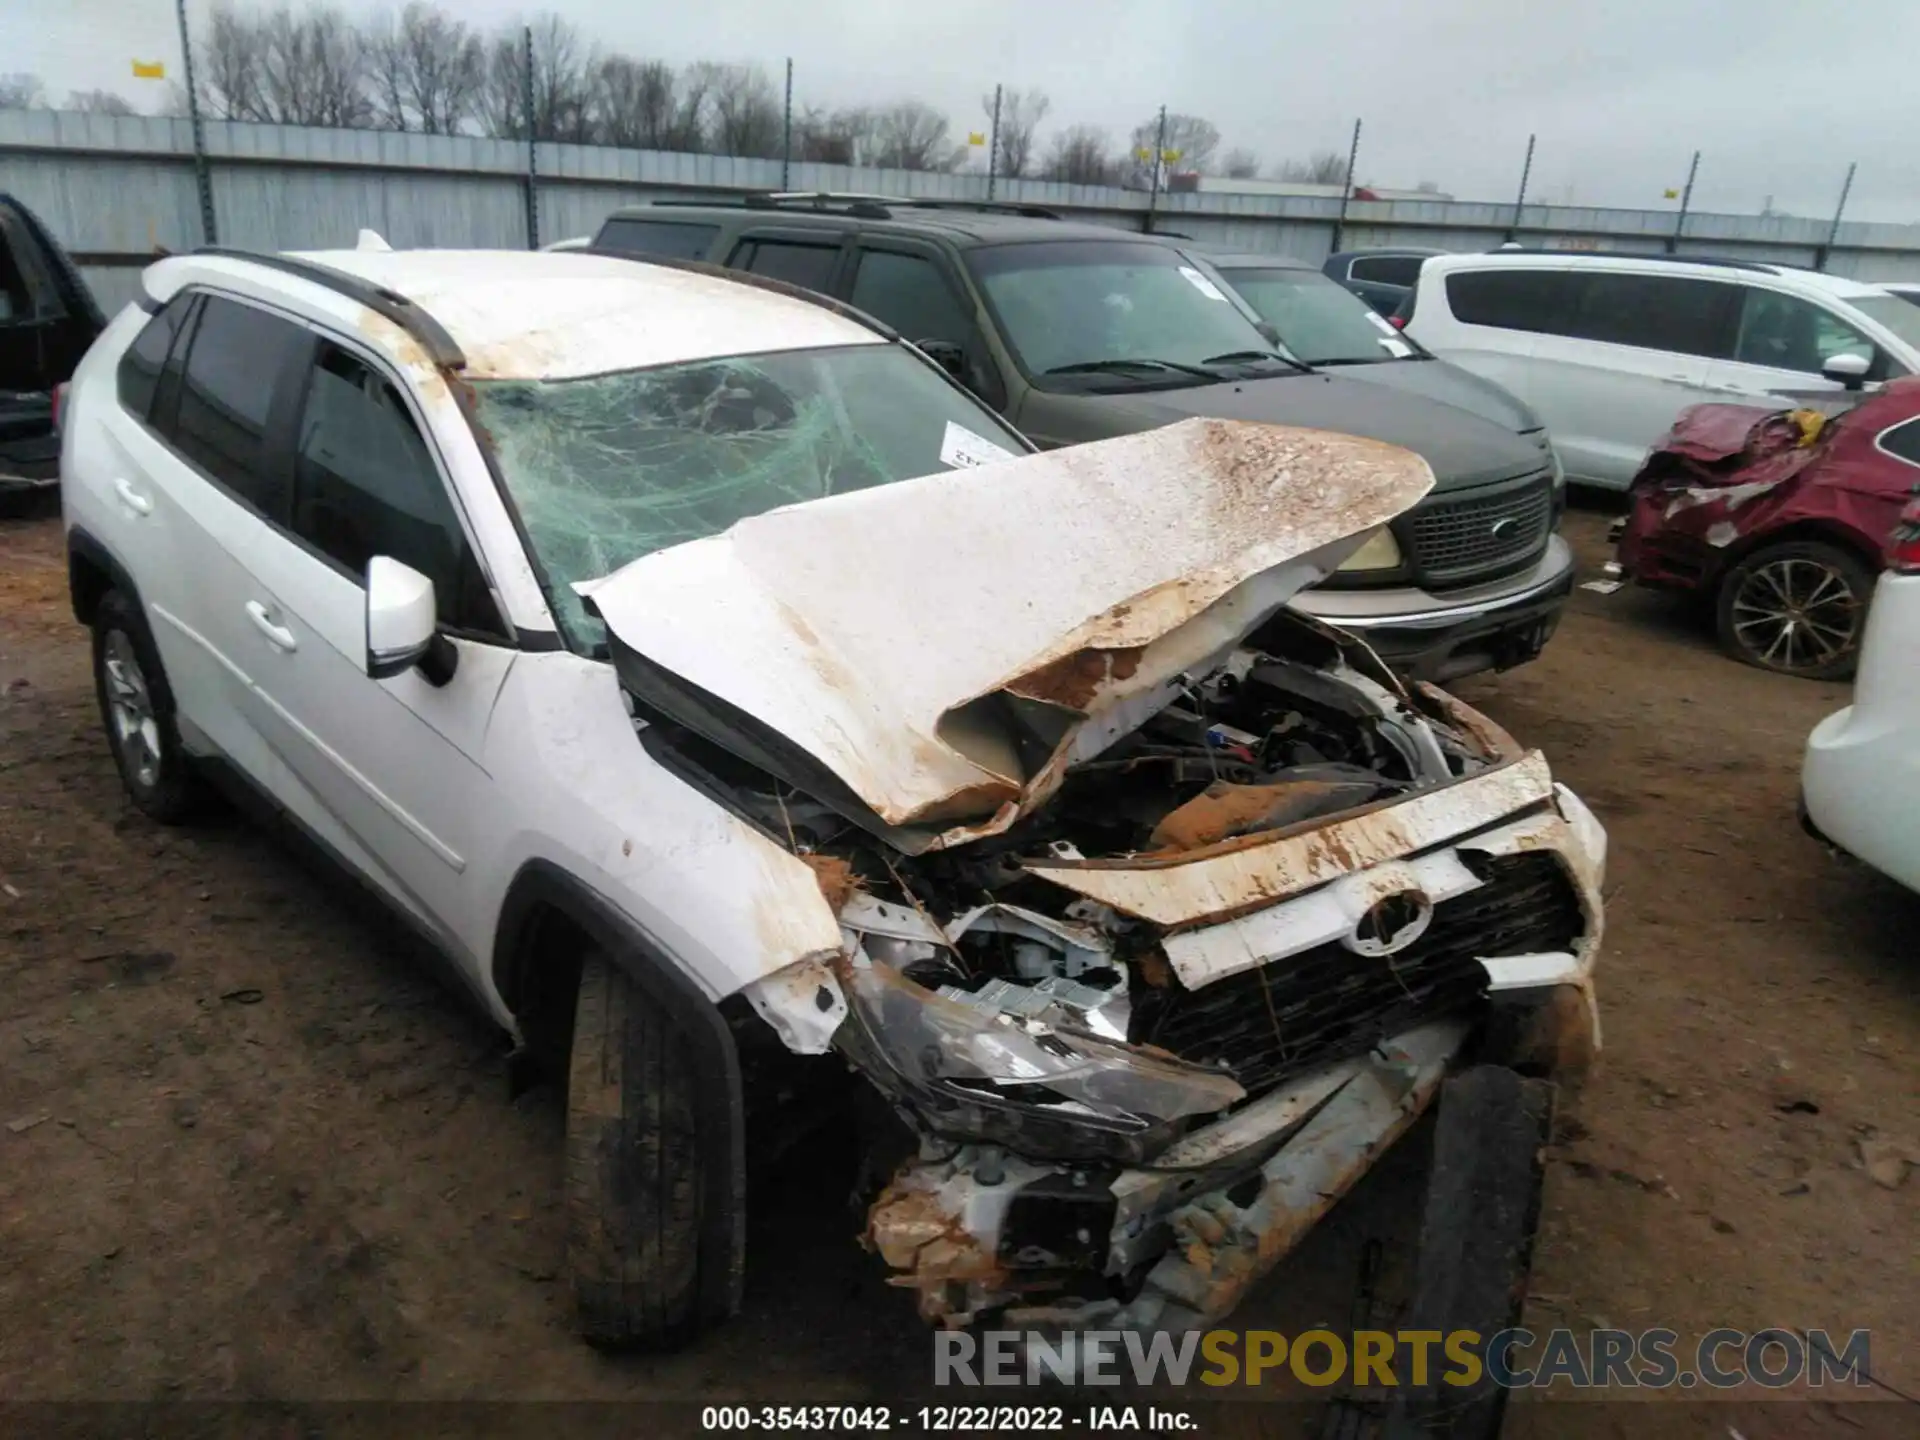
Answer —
941 1419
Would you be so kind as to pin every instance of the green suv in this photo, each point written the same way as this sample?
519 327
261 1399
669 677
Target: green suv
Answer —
1078 332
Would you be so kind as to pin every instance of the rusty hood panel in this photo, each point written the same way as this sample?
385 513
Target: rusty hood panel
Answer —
944 647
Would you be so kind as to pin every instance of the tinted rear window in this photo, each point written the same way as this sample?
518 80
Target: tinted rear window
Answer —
226 394
797 263
140 367
675 239
1387 269
1542 301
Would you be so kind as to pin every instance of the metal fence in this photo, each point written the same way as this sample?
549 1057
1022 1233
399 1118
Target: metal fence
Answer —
116 188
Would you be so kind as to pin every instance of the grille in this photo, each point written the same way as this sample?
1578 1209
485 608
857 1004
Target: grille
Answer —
1328 1003
1455 540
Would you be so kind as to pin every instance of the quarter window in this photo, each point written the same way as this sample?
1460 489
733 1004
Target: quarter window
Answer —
237 354
140 367
675 240
366 485
1387 269
1903 441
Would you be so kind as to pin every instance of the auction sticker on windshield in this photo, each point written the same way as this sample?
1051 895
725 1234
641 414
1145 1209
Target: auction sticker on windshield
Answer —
1201 283
963 449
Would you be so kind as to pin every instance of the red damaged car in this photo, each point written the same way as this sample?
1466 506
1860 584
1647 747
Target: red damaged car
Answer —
1781 517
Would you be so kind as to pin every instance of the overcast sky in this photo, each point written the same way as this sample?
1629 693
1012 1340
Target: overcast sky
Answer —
1778 94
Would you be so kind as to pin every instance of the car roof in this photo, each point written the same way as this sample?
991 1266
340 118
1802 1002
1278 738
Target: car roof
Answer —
1385 250
957 223
1833 285
1254 260
556 314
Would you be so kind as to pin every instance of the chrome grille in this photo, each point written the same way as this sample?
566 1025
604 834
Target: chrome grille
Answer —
1455 540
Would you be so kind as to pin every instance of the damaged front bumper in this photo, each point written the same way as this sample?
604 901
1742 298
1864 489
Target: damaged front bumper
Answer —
1174 1241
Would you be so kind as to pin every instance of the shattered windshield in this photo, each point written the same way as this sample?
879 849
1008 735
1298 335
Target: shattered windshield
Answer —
609 468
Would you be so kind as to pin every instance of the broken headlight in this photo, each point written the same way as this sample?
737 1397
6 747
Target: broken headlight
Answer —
1035 1084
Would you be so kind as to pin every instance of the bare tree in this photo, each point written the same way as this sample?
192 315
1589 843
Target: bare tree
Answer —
1021 112
22 92
747 115
840 137
425 71
1240 164
912 135
1323 167
232 58
634 103
1081 155
313 69
562 96
1192 139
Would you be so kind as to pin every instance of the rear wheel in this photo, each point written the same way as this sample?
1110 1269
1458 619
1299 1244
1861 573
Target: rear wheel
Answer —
1798 608
633 1167
136 706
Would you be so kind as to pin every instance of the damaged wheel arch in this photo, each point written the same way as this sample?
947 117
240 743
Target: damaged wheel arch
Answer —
542 892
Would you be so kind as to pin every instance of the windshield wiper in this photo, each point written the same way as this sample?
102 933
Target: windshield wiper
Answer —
1093 367
1248 356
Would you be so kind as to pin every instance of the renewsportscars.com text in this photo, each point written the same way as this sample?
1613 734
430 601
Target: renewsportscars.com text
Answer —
1515 1359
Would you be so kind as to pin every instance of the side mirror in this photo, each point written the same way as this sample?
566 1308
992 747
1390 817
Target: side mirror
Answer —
1848 368
1269 332
400 617
947 355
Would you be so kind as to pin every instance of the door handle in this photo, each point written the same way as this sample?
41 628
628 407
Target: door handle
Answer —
132 498
279 636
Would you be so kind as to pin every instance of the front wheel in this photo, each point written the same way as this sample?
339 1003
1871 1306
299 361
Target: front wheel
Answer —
1798 608
633 1181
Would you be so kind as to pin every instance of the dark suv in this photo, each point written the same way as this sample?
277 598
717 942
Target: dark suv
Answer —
48 318
1081 332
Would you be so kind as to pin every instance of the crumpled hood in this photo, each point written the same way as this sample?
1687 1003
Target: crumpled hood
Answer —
1462 448
941 649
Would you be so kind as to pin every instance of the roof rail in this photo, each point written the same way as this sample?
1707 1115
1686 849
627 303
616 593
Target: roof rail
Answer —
858 203
441 347
1764 267
747 277
989 207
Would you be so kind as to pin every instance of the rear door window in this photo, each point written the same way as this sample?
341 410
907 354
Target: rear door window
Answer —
1387 269
140 367
1675 313
1543 302
673 239
237 357
797 262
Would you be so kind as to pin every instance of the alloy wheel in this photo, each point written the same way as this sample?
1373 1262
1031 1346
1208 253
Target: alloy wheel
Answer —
136 731
1796 614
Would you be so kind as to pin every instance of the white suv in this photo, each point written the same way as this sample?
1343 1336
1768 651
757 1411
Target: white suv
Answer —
1609 349
590 611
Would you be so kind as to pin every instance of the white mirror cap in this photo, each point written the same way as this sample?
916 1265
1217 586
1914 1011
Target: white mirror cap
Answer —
371 240
1847 362
400 615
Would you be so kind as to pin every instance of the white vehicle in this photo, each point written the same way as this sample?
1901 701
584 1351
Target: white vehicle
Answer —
591 611
1609 349
1860 782
1907 290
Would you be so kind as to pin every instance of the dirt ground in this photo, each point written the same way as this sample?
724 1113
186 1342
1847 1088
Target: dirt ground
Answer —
251 1150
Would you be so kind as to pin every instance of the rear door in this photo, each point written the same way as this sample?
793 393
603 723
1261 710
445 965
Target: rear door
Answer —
1782 342
1610 377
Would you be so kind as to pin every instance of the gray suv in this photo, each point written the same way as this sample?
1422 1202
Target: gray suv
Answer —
1081 332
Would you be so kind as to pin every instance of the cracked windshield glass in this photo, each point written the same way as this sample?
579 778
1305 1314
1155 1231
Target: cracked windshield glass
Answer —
610 468
1121 315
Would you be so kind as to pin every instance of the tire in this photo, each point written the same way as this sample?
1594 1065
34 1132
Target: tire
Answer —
1476 1239
633 1172
1818 591
136 709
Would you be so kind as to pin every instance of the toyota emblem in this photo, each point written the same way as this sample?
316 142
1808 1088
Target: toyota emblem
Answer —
1391 924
